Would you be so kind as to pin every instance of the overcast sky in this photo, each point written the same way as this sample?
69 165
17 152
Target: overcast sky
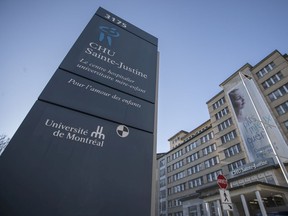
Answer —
201 43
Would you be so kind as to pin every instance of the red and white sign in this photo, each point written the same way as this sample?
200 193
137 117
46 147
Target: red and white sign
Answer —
222 181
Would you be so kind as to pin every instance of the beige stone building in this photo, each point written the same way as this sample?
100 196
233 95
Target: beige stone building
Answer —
245 140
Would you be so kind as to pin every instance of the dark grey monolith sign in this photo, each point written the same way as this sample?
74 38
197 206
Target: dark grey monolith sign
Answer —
87 145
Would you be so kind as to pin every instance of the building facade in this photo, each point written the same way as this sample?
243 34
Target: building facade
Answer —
244 140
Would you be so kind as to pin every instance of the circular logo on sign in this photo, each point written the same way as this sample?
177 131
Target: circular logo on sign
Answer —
122 131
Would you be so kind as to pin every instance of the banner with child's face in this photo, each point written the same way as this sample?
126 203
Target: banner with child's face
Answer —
256 124
249 125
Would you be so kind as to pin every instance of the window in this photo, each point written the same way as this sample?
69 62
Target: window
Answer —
162 172
195 182
162 162
233 150
228 137
225 124
179 175
286 124
213 176
207 137
279 92
222 113
179 188
162 194
211 162
177 202
282 108
236 164
162 183
218 103
162 206
209 149
265 70
213 208
174 203
169 191
177 165
270 180
169 169
267 178
193 157
194 169
192 145
272 80
192 210
168 159
178 213
177 154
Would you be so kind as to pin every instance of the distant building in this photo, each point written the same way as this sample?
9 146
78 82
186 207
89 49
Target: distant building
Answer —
177 139
236 142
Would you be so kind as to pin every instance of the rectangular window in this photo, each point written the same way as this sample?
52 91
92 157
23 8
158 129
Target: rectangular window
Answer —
218 103
193 145
278 92
162 172
207 137
228 137
177 165
177 154
162 183
178 213
162 194
272 80
233 150
209 149
179 175
213 176
194 169
168 159
270 180
225 124
266 70
179 188
222 113
195 182
192 157
282 108
211 162
236 164
169 169
162 163
286 124
169 191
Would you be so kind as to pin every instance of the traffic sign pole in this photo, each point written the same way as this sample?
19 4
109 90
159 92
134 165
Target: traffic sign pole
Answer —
224 194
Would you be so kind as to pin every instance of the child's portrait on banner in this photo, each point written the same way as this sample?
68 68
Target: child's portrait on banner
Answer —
249 124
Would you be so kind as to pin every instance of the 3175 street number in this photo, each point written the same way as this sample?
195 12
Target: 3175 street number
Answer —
115 20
